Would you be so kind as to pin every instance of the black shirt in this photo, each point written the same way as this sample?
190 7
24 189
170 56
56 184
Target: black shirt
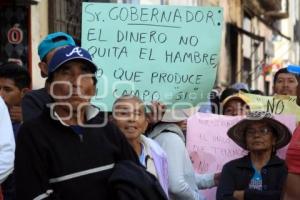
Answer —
54 162
237 174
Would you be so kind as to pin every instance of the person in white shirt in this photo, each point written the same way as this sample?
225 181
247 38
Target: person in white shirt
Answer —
7 143
184 182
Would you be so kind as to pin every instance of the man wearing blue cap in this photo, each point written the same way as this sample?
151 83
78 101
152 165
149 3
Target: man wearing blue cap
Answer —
292 191
34 101
69 151
285 83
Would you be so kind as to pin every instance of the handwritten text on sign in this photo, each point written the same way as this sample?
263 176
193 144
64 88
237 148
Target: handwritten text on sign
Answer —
210 147
165 53
277 104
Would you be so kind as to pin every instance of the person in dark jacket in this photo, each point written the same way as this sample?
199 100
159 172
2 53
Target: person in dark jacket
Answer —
70 150
132 182
34 101
261 174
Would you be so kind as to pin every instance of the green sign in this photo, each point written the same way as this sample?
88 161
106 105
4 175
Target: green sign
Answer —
159 53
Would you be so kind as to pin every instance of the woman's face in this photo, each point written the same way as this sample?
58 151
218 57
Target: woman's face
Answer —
259 137
129 115
235 107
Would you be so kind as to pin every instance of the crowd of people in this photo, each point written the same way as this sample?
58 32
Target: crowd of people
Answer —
54 144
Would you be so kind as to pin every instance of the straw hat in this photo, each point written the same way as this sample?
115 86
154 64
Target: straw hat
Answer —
237 132
237 96
177 115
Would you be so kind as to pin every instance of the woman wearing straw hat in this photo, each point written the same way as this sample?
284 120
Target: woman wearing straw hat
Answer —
236 104
260 174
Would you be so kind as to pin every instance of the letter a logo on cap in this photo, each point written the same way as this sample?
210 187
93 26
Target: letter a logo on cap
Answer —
75 50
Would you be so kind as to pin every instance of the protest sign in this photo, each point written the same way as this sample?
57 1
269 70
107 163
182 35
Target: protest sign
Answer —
277 104
210 147
164 53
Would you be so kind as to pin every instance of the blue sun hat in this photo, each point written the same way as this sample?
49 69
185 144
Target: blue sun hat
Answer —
52 41
295 69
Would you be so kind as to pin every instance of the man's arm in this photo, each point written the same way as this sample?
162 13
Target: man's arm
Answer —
32 179
226 187
175 149
292 191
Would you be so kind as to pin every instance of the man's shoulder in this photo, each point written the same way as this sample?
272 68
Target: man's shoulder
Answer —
34 102
42 92
40 97
242 162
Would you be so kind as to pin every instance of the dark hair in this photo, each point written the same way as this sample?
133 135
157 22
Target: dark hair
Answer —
215 102
227 92
282 71
259 92
17 73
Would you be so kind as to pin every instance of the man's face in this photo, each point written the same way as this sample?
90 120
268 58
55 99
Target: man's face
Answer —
10 93
286 84
73 84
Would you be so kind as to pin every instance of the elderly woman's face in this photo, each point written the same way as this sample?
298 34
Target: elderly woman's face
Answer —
259 137
129 115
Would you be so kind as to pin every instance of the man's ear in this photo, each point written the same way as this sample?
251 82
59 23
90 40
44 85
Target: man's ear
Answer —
94 90
44 69
111 118
24 91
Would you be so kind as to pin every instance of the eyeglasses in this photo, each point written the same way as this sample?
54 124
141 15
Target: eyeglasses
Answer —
262 131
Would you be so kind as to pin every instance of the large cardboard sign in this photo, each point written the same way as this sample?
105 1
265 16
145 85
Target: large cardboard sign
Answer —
164 53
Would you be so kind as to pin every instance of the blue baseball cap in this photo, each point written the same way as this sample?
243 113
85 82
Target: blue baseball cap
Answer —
294 69
52 41
68 53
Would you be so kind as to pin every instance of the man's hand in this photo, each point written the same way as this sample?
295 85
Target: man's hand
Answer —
157 110
16 114
217 178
